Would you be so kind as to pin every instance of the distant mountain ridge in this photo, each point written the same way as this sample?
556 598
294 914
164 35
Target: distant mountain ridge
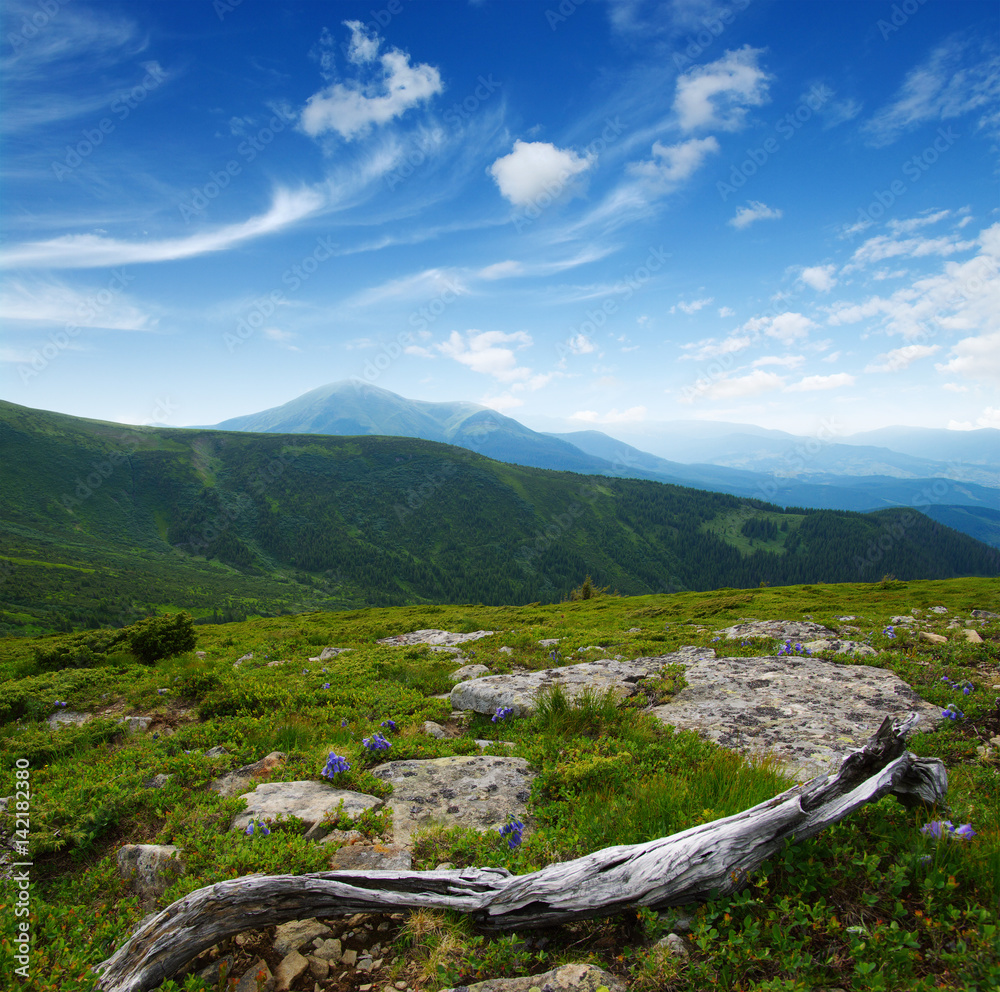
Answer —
788 470
104 523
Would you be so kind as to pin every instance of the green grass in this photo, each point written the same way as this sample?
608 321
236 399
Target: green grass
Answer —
870 904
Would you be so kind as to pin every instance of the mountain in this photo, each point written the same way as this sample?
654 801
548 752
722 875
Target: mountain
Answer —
967 448
102 523
737 459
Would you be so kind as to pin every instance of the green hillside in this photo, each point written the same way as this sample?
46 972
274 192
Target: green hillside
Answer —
104 523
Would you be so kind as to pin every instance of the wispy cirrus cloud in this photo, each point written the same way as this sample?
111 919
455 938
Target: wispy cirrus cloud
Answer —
958 77
87 251
753 211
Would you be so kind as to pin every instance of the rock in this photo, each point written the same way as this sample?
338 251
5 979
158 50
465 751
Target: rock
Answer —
257 978
439 637
292 965
926 635
506 650
218 972
239 661
201 654
985 615
293 936
972 636
216 752
476 792
157 781
484 744
845 619
327 653
781 630
318 968
896 621
68 718
238 781
152 868
349 958
328 949
435 730
469 672
568 978
840 647
135 724
808 712
938 609
674 945
549 642
519 692
378 857
278 664
308 800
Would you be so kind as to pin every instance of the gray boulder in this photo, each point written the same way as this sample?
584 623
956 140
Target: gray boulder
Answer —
151 868
310 801
782 630
476 792
568 978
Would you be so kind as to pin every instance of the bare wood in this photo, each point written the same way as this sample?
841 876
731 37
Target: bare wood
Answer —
712 858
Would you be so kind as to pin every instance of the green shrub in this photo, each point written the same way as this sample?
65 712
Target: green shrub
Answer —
161 637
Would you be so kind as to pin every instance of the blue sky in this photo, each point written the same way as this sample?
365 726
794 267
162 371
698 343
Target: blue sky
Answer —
615 213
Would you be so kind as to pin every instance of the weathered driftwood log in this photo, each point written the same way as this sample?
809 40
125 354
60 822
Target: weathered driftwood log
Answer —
687 867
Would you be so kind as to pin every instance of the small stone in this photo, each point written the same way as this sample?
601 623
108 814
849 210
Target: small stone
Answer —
365 964
400 986
444 866
506 650
939 609
673 944
365 988
972 636
434 730
216 752
926 635
291 936
257 978
349 958
292 965
377 963
319 968
328 949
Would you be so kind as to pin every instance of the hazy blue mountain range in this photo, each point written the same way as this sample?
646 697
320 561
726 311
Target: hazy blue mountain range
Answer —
731 458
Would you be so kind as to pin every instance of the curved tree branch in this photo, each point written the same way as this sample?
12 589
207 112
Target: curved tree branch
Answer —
712 858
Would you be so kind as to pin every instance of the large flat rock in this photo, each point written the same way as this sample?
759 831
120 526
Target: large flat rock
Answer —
521 690
432 636
476 792
308 800
808 712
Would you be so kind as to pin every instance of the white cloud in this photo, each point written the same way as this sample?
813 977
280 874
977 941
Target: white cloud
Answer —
352 107
883 246
990 417
535 168
672 164
812 383
788 327
718 94
949 84
819 277
485 352
693 306
754 210
444 284
711 348
975 358
632 415
733 387
37 301
902 358
502 403
84 251
727 312
501 270
787 361
914 223
284 338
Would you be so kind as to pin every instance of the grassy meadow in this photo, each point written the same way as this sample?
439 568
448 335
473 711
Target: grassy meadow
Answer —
870 904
